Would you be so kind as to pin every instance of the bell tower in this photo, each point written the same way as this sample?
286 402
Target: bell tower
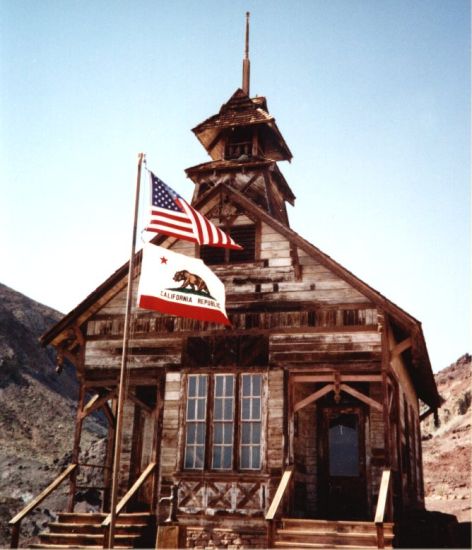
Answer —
244 144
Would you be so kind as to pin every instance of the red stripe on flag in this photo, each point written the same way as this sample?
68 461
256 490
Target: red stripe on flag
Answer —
182 310
160 214
166 224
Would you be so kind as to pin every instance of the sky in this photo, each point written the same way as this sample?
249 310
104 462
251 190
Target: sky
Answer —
372 97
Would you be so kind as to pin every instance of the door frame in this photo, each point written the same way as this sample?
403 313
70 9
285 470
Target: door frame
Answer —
324 413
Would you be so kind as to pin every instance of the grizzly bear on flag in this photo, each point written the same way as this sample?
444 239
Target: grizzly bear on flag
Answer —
192 280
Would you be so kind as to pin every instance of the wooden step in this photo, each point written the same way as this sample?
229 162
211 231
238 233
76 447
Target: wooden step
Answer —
283 544
81 540
97 518
92 528
319 533
333 525
67 546
330 538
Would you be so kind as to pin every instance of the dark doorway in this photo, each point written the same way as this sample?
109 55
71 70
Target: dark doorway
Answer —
342 463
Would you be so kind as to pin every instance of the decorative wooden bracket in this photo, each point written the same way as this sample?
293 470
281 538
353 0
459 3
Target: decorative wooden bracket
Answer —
332 387
313 397
63 354
71 349
337 388
371 402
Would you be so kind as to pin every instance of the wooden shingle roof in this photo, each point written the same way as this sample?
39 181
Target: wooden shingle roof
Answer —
240 110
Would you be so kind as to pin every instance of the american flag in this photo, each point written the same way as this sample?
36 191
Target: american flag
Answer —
172 215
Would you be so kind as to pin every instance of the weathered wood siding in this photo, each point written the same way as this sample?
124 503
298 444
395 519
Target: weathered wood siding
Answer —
312 321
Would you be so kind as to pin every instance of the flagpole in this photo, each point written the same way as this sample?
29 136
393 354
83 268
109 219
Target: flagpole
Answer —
124 360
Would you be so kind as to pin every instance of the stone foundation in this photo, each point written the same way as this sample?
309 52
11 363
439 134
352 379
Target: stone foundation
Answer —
204 538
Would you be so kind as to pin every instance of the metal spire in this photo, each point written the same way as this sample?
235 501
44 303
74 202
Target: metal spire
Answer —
246 62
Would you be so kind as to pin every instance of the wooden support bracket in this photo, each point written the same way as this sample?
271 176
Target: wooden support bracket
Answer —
337 387
140 403
313 397
96 402
401 347
371 402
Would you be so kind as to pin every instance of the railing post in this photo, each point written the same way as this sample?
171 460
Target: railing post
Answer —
380 535
106 535
382 504
274 505
16 520
270 533
72 491
15 535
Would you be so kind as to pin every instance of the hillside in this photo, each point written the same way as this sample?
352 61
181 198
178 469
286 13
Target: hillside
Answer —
447 449
37 411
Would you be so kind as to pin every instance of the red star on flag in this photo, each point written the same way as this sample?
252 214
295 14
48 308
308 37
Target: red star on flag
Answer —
163 260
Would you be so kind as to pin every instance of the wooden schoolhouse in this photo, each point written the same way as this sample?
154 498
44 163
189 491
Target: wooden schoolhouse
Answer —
299 423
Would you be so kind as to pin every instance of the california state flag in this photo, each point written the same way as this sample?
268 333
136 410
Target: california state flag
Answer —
178 285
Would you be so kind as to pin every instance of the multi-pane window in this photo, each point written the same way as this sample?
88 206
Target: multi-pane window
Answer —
231 430
197 391
223 422
251 420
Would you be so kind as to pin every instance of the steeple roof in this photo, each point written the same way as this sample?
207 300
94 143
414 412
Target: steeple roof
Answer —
239 111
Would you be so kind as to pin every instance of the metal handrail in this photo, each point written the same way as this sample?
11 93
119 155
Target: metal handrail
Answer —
15 522
384 493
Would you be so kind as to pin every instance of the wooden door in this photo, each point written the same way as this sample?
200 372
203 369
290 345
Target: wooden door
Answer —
342 479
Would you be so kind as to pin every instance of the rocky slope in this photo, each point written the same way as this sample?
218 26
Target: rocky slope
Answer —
447 449
37 411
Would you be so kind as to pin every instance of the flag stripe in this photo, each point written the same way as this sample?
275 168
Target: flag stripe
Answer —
172 215
181 226
176 230
171 234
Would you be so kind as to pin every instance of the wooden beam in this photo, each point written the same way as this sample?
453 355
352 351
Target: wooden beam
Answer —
49 489
279 493
313 397
136 485
109 414
140 403
79 335
301 378
89 405
425 414
371 402
401 347
96 402
382 498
